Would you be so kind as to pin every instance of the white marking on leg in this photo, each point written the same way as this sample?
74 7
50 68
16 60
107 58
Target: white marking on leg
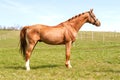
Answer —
27 65
69 65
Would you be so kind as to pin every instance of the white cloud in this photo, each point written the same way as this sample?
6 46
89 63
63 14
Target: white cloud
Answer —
15 6
50 19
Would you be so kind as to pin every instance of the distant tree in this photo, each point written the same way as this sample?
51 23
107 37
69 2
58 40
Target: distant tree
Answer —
4 28
0 27
15 27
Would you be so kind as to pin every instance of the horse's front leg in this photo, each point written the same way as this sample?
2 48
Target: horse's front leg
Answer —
68 47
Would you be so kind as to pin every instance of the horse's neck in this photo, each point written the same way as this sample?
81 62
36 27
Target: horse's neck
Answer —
78 21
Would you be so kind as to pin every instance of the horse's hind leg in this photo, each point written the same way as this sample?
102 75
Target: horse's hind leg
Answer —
29 50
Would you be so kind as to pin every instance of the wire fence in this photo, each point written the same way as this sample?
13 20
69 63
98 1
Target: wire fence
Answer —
82 35
99 36
5 35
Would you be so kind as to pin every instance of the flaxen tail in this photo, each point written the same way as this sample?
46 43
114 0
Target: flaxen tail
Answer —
23 42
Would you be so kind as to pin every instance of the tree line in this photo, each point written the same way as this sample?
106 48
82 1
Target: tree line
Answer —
15 27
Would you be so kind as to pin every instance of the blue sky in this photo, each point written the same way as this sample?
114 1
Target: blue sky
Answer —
53 12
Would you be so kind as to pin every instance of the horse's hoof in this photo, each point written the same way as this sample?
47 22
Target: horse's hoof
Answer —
28 69
68 66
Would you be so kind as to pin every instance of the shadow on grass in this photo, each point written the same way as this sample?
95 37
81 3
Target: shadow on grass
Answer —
15 67
45 66
32 67
112 71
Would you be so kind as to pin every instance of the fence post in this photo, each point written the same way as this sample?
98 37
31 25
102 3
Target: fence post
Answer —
92 36
103 37
81 35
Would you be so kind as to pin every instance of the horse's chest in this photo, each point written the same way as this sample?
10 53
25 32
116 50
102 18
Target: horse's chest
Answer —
70 35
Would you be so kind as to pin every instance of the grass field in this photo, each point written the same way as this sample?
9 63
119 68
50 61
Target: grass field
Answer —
92 59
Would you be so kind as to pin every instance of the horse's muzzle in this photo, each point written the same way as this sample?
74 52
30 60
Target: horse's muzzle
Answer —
98 23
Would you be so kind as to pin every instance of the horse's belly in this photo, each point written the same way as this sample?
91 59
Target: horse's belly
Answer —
53 39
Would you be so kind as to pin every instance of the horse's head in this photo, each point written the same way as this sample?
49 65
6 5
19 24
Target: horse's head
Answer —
92 19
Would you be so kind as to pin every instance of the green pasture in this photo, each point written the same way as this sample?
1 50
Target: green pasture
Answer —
94 56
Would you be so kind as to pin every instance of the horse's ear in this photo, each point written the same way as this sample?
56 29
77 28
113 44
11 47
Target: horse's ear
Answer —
91 10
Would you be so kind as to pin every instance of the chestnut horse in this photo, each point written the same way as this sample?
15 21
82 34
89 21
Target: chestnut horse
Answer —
63 33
